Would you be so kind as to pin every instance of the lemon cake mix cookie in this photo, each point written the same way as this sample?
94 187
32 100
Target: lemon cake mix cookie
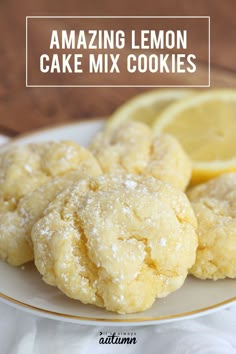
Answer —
131 148
214 204
117 242
28 184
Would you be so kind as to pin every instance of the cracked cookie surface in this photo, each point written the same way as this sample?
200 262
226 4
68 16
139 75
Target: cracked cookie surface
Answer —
131 148
117 242
30 177
214 204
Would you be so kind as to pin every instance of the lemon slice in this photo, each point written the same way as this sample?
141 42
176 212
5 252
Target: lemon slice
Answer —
205 125
146 107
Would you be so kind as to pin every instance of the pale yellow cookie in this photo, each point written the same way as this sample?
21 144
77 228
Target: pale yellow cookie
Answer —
28 184
214 204
131 148
168 162
117 242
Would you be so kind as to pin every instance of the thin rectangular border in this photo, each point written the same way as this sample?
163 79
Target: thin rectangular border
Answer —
209 51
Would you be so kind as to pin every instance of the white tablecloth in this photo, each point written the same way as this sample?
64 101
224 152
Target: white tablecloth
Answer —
23 333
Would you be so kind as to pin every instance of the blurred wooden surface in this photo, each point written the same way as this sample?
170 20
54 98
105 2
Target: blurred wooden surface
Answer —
23 109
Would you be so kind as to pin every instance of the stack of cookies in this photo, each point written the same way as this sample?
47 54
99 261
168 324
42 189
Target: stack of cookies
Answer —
112 226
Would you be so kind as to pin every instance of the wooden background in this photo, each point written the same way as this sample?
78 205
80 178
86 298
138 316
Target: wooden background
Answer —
23 109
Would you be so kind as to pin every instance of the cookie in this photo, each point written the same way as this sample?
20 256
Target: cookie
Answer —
117 242
131 148
28 184
214 204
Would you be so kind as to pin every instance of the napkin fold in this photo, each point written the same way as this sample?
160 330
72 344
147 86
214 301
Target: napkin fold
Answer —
23 333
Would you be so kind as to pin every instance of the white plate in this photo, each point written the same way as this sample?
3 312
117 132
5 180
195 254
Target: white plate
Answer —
24 289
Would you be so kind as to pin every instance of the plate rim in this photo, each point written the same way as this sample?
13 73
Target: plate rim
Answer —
22 136
92 320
